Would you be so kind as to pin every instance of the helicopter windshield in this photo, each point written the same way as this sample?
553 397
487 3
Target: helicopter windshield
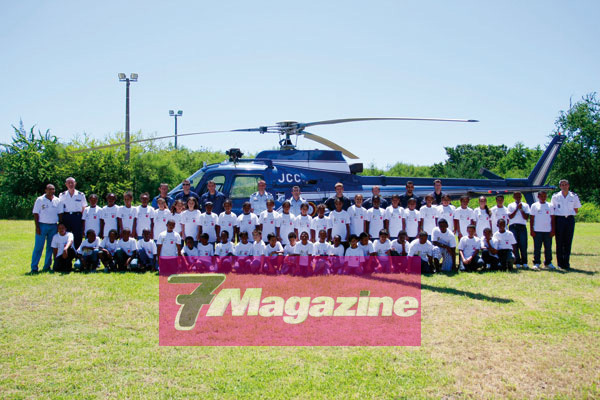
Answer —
195 179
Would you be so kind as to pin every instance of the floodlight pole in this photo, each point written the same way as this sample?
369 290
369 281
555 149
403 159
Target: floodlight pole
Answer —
123 78
174 114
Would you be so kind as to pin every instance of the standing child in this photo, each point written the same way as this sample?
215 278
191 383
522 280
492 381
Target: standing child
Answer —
541 224
383 248
463 217
108 215
227 221
303 221
273 255
499 212
354 257
108 248
208 223
146 248
305 251
287 222
429 215
482 216
190 219
358 215
247 221
91 216
269 221
445 241
322 251
126 254
177 210
62 249
375 219
518 214
340 221
412 220
320 222
168 243
506 245
143 216
394 218
224 252
447 211
469 247
87 253
127 213
160 217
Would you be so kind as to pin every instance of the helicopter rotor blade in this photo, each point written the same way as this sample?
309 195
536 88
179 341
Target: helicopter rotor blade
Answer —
344 120
145 140
329 143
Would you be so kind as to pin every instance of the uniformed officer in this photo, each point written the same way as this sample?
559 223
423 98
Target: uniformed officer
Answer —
296 201
566 205
437 192
410 194
339 194
163 190
258 200
376 193
184 196
72 204
45 214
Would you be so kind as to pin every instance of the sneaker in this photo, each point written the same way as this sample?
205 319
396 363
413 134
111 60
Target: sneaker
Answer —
536 267
550 266
525 266
462 267
517 266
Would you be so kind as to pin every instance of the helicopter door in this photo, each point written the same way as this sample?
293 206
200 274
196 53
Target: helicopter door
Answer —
241 189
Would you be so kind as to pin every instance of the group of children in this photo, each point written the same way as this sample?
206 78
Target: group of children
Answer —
354 241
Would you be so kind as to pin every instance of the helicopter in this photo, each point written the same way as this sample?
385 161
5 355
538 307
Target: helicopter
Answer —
317 171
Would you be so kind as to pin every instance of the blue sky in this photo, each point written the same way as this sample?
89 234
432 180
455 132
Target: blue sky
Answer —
513 65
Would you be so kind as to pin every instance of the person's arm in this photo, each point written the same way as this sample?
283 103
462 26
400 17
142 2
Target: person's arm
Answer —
312 235
531 231
457 228
101 233
367 223
347 232
36 219
217 229
523 213
65 253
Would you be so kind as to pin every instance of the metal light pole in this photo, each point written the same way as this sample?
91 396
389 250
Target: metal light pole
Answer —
172 113
123 78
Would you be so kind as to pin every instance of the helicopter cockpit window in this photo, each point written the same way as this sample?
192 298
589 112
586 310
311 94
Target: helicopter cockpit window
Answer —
244 186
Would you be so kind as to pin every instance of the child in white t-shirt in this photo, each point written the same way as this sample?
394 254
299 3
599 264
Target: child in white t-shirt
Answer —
429 215
243 253
447 211
412 220
463 217
499 212
108 215
322 251
305 251
147 250
507 244
423 248
469 247
224 251
358 215
320 222
482 216
273 253
383 247
445 242
290 261
91 215
227 221
287 223
375 218
354 257
337 256
541 228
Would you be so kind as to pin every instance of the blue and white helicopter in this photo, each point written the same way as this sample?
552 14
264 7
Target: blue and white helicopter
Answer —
317 171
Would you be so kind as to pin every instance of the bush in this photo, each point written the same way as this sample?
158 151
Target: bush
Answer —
589 212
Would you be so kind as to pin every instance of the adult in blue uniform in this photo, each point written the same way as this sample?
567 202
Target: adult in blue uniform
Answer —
213 196
437 193
566 205
45 215
296 201
258 200
163 193
410 194
369 202
339 194
72 204
186 193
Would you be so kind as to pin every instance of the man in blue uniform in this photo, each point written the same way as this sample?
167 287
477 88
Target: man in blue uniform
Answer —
566 204
296 201
213 196
258 200
163 193
186 193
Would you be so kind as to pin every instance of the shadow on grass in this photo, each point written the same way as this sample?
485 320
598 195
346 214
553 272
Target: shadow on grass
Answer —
571 270
444 290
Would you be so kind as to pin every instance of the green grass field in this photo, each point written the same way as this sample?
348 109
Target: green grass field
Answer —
492 335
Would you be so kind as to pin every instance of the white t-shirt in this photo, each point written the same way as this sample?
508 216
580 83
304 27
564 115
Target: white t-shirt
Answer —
499 213
48 210
59 242
357 217
205 250
447 213
191 221
412 222
543 216
289 250
354 257
86 243
227 222
319 224
394 216
366 248
464 217
304 250
177 218
127 216
160 217
493 243
423 250
258 248
565 205
303 224
375 216
396 245
149 247
518 218
482 220
223 249
247 223
109 216
244 250
269 249
337 251
270 221
187 252
287 224
322 249
339 222
91 216
505 240
208 222
143 219
469 246
128 246
381 247
447 238
429 216
110 246
169 242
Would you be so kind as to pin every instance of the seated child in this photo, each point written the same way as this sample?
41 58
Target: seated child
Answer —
506 246
468 248
423 248
206 254
191 255
273 253
108 248
489 250
243 252
126 254
168 244
399 251
322 251
354 257
290 261
224 252
337 256
62 249
146 249
369 261
445 242
87 253
383 248
258 251
305 251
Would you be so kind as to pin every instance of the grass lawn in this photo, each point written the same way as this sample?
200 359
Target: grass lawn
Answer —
492 335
